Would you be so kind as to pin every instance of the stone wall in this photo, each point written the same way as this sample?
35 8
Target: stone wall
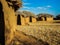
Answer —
22 20
34 19
43 19
49 19
26 20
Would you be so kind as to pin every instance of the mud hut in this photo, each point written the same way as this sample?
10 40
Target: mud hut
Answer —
45 17
30 17
20 18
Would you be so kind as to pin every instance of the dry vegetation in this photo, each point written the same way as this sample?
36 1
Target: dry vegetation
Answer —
21 38
56 21
48 33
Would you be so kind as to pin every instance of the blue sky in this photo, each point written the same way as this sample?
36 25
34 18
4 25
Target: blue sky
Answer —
41 6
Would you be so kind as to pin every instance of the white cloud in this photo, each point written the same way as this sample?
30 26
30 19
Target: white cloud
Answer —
25 3
44 7
39 7
23 10
48 6
25 7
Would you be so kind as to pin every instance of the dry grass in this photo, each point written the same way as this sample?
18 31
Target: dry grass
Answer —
21 38
56 21
48 33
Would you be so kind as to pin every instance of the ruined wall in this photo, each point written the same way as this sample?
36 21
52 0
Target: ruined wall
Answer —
49 19
22 20
43 19
26 20
34 19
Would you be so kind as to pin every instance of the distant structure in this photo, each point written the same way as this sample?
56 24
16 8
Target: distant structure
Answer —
45 17
58 17
20 18
23 18
32 17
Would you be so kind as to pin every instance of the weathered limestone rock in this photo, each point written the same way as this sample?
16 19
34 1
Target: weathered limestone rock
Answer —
9 8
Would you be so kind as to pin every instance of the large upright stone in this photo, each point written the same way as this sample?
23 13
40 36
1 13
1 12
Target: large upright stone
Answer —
9 8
